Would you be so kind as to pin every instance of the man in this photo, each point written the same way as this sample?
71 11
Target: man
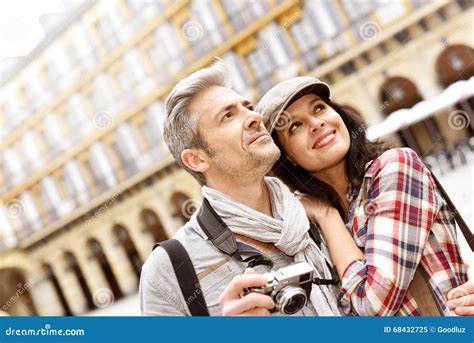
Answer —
219 139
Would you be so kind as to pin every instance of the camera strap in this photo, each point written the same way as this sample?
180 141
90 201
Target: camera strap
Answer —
223 239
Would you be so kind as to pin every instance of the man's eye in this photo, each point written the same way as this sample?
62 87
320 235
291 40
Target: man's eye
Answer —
250 107
227 115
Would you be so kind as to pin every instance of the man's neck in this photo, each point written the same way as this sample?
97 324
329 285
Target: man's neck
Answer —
252 194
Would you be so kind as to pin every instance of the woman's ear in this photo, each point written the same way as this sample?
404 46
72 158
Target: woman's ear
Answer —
195 159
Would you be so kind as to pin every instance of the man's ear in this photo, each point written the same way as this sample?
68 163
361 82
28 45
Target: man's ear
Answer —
195 159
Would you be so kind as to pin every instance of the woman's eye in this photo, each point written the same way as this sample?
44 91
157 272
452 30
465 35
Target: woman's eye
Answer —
250 107
318 108
293 127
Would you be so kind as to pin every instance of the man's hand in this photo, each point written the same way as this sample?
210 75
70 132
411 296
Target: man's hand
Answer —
232 302
461 299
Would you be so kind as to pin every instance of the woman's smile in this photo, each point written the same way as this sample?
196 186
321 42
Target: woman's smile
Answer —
325 139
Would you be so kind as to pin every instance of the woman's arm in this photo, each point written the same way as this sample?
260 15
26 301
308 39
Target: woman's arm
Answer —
341 245
393 223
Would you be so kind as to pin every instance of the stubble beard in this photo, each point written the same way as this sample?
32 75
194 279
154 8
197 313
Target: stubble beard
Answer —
250 166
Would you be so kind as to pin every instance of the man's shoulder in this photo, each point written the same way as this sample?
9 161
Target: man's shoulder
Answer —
200 250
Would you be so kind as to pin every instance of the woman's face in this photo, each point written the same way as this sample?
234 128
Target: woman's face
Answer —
315 136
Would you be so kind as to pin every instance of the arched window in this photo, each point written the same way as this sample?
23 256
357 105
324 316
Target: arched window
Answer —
51 276
153 225
15 293
399 92
126 242
455 63
183 206
98 254
73 266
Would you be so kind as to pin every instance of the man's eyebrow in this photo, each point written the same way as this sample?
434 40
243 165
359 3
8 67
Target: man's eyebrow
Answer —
225 109
232 106
246 102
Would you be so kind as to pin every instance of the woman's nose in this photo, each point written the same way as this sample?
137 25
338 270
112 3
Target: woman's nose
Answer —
316 124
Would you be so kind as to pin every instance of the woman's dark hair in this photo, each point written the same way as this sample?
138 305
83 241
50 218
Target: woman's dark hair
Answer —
360 152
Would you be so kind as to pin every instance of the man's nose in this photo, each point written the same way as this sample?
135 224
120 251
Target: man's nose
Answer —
253 120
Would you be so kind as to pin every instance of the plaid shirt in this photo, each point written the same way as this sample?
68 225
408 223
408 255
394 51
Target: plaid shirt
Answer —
401 222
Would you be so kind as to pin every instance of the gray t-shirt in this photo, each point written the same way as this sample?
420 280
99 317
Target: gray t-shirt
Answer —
160 294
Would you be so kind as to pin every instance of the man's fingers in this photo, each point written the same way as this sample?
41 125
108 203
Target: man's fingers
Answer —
249 271
257 312
240 282
463 290
247 303
467 300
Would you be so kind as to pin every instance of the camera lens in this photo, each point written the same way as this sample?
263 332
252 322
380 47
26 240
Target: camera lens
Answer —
290 300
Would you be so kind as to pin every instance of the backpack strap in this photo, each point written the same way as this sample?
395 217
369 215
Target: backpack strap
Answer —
186 276
468 235
420 289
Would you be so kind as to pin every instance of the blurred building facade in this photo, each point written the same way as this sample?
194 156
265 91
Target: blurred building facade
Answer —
87 183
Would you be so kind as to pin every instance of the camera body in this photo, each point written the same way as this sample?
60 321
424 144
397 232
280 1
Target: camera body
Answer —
289 287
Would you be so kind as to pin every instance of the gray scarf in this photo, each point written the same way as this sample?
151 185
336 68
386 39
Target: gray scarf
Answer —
288 231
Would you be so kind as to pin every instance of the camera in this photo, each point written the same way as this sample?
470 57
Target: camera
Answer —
289 287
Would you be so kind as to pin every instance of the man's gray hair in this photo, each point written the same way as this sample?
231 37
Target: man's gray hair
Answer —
180 129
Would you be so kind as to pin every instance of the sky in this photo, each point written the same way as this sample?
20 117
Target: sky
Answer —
20 28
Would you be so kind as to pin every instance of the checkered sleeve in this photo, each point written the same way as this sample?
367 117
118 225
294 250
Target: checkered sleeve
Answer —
399 212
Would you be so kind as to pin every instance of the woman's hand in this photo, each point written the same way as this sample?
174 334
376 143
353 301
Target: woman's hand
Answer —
342 247
317 210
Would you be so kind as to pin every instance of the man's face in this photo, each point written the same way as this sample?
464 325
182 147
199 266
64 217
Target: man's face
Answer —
239 144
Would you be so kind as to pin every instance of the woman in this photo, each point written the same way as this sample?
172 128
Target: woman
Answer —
378 208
